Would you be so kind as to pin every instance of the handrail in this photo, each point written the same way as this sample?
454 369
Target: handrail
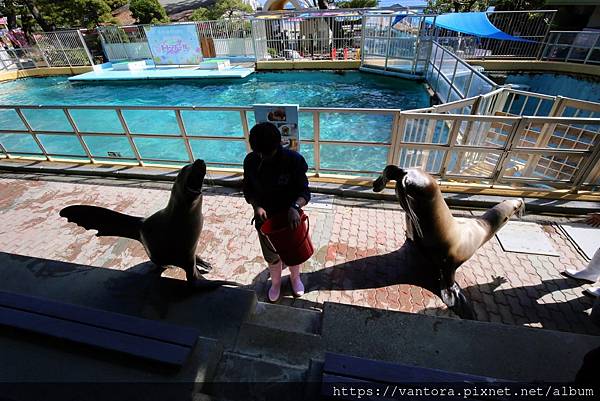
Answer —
501 145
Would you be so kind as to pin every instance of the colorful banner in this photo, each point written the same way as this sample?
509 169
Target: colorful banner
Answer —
285 118
174 44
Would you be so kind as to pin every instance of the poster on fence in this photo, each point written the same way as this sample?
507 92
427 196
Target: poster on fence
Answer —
174 44
285 118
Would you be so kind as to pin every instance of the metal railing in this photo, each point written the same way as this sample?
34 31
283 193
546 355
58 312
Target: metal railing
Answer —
489 139
222 38
308 37
452 78
124 43
133 134
574 47
532 27
22 59
476 139
64 48
226 38
395 43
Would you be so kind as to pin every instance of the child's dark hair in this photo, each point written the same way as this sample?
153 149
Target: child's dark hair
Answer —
264 138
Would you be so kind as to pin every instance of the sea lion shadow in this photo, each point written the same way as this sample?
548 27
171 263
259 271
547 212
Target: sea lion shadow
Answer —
158 292
546 314
406 265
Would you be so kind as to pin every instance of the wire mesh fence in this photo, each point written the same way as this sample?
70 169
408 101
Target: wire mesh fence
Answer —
63 48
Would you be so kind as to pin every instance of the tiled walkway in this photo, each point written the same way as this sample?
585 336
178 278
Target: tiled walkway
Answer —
356 252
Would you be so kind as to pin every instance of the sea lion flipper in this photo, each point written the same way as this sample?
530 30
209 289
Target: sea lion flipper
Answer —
106 221
202 264
454 298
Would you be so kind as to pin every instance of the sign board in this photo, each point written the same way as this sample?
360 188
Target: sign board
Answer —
174 44
285 118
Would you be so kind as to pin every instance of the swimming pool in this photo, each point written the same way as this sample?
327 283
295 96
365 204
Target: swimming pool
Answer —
308 89
575 86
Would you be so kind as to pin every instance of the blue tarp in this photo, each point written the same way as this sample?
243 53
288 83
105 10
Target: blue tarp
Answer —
476 24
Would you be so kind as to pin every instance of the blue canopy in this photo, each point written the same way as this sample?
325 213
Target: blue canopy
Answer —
476 23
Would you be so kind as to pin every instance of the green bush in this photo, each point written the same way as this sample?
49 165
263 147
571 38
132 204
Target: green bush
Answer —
148 12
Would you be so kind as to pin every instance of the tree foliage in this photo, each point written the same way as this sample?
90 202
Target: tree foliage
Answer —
221 9
148 11
447 6
357 3
456 6
517 5
114 4
53 14
74 13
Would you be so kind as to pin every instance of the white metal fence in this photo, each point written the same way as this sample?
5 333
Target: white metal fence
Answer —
223 38
508 136
22 59
396 43
452 78
480 139
308 37
63 48
532 27
574 47
124 43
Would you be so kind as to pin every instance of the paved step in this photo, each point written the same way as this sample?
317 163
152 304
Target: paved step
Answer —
278 345
287 318
465 346
242 377
217 313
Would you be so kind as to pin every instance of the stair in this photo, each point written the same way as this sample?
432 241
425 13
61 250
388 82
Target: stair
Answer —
277 345
241 377
276 352
286 318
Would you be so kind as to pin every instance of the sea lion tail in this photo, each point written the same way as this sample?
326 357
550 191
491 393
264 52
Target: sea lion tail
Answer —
106 221
389 173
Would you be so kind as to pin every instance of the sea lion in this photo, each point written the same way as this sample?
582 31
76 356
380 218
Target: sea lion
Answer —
170 235
446 241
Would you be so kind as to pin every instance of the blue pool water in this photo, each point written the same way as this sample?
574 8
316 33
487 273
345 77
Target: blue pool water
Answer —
577 87
309 89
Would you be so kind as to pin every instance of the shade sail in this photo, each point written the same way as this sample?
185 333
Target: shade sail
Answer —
476 23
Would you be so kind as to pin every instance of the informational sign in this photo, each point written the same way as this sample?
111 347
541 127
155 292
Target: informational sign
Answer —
174 44
284 117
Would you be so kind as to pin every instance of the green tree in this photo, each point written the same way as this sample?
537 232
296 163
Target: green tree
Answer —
447 6
114 4
148 11
200 14
518 5
221 9
358 4
228 8
74 13
456 6
8 9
